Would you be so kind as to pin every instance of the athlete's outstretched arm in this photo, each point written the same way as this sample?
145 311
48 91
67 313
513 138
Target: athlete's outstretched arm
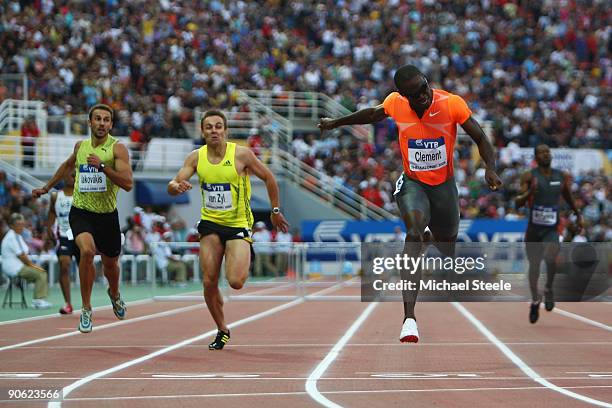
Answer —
361 117
51 216
566 192
253 165
121 175
525 189
60 173
180 183
472 128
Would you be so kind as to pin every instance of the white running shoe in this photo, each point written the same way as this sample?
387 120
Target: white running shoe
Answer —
41 304
85 324
410 332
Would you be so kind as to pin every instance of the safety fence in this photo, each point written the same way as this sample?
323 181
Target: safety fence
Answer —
291 269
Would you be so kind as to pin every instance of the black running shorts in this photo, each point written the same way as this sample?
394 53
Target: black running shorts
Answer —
548 235
206 227
103 226
536 233
438 204
67 247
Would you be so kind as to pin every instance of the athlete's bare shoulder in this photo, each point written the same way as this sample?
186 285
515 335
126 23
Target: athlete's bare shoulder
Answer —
192 158
243 152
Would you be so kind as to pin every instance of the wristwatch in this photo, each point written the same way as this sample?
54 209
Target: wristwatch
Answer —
275 210
101 167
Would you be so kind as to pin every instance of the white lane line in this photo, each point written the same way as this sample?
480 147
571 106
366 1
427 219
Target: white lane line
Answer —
352 379
43 372
68 389
311 382
95 309
102 327
129 304
19 375
328 345
583 319
520 363
119 323
341 392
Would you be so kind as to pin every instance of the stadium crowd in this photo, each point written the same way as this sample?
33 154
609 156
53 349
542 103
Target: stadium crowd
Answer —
371 169
539 71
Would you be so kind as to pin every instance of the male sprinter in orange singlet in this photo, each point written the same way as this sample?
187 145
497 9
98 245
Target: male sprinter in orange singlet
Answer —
426 193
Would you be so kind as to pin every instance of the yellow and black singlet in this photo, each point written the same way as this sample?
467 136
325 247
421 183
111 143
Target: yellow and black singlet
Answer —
226 195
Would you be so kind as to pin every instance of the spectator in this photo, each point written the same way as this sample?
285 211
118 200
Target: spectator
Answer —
398 234
282 251
138 146
15 262
179 230
29 134
4 190
168 262
194 237
147 217
263 251
255 142
135 242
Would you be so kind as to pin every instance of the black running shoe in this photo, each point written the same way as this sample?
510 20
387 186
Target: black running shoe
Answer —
220 341
549 302
534 312
119 307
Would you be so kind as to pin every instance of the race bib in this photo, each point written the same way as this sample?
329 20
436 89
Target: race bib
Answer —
217 197
546 216
91 180
426 154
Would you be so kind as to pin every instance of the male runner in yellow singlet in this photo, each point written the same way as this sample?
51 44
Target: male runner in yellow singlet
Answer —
102 166
223 170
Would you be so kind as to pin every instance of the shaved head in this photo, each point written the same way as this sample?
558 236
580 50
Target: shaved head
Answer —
413 85
405 74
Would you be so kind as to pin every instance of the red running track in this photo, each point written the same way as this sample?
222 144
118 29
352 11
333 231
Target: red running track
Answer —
270 358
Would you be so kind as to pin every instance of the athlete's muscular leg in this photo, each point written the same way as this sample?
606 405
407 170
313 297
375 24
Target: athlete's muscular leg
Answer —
211 256
413 247
444 223
87 272
111 271
414 208
534 256
534 276
64 278
237 262
445 240
550 257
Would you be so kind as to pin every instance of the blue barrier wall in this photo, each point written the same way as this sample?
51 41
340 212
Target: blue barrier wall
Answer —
478 230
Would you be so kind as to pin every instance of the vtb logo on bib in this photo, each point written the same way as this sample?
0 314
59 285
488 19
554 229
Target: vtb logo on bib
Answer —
217 196
542 215
91 180
426 154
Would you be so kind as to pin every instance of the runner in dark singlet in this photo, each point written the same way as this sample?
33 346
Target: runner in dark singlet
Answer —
541 190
